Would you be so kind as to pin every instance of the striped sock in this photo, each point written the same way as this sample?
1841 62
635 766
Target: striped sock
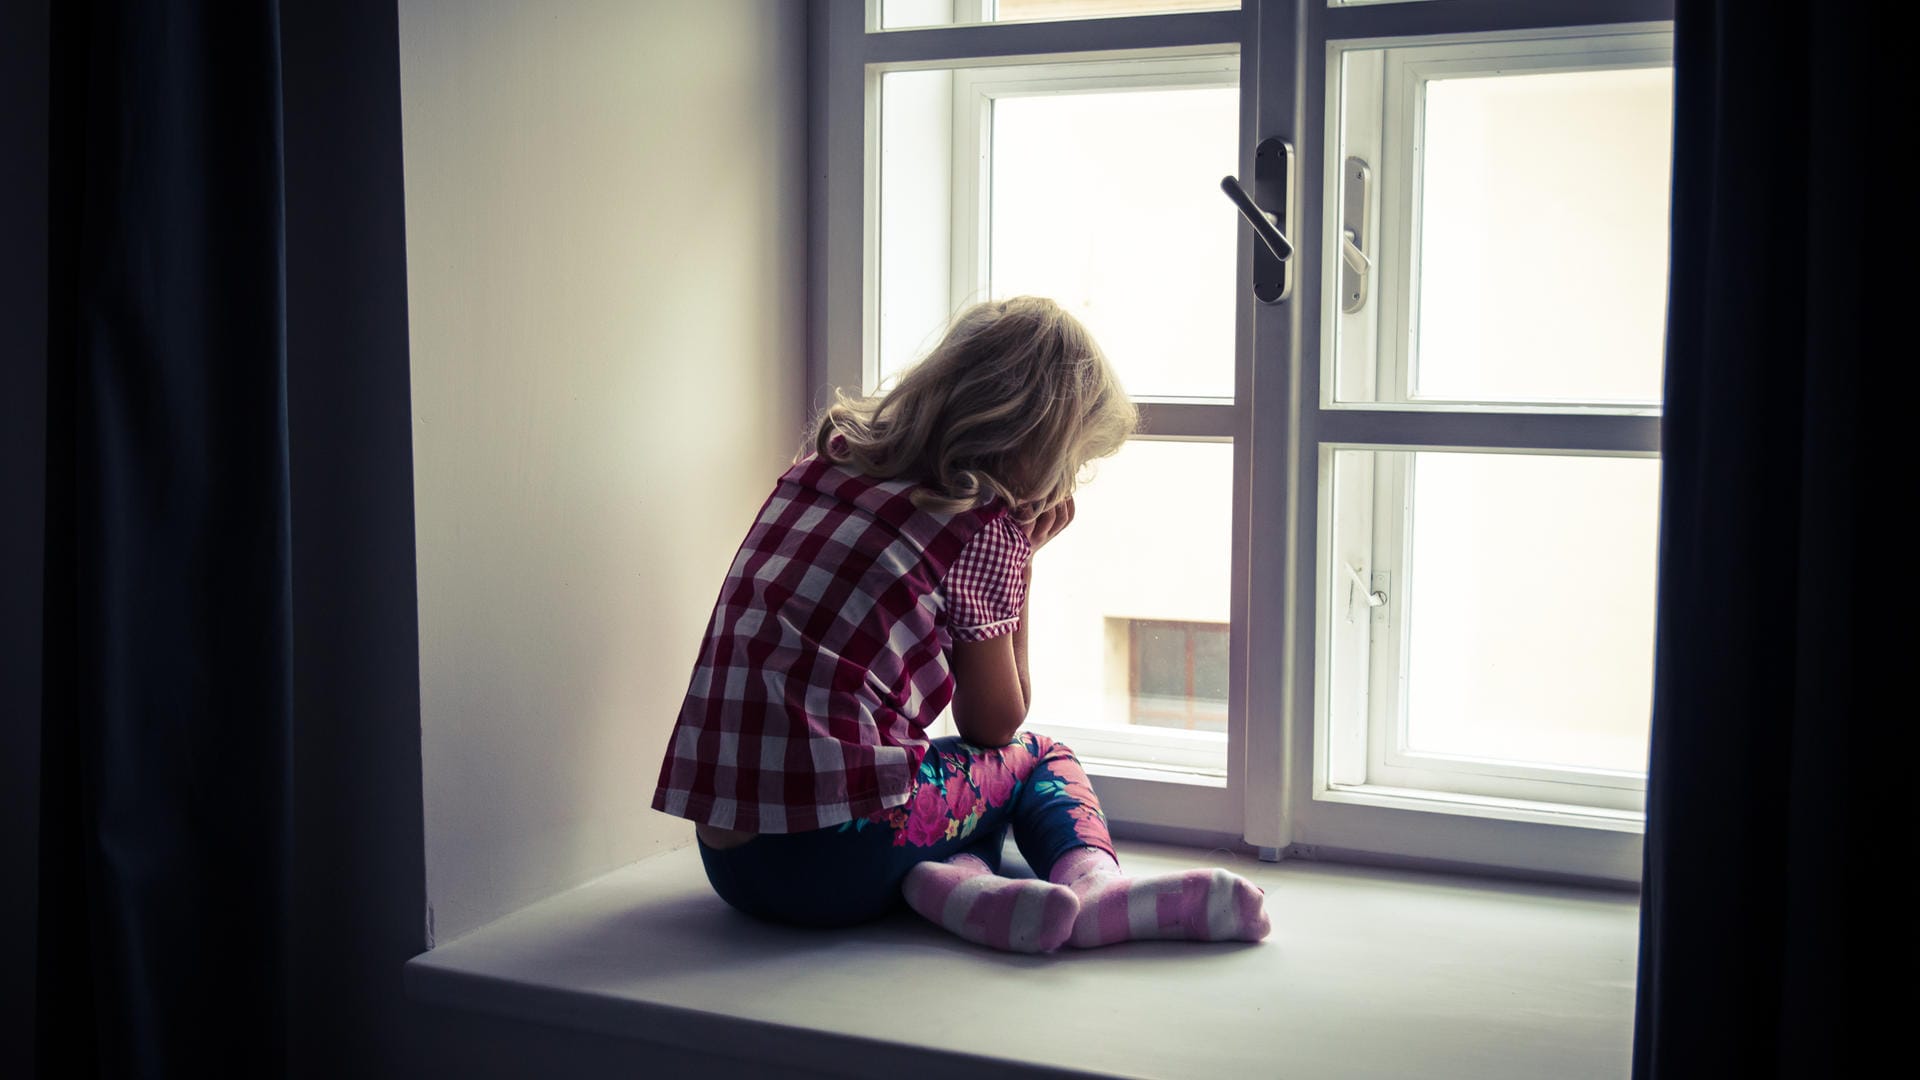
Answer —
1196 905
1014 915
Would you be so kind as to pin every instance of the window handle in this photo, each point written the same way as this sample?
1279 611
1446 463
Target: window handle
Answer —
1374 598
1273 182
1265 225
1357 260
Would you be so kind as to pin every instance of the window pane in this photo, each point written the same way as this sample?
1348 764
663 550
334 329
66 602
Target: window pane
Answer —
1210 663
1529 608
916 224
1179 675
1109 202
1148 550
1160 659
1543 237
901 14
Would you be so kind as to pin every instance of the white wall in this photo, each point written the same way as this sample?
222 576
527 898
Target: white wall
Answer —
605 229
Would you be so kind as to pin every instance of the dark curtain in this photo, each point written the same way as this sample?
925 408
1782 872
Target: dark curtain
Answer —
165 724
1767 750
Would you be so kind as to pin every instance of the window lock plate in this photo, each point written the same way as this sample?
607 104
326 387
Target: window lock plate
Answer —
1355 266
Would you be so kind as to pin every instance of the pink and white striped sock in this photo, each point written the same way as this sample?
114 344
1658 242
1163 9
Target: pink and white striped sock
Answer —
1014 915
1195 905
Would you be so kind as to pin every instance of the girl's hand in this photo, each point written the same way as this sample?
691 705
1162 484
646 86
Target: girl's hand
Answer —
1049 524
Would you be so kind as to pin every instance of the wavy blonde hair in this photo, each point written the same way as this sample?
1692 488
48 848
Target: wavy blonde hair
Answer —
1012 403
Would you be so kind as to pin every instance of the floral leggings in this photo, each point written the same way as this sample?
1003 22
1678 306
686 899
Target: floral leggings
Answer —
963 800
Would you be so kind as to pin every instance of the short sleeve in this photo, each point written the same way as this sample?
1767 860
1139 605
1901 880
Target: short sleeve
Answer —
987 584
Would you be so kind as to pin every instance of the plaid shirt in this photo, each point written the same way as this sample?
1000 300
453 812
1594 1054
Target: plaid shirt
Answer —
826 656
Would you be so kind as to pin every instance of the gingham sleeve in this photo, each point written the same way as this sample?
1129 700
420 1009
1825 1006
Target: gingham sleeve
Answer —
986 586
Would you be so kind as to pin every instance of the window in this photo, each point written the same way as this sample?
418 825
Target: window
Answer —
1377 574
1489 629
1006 180
1510 198
999 181
1486 619
1117 565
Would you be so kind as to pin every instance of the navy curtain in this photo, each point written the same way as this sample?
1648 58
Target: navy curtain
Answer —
1767 749
164 799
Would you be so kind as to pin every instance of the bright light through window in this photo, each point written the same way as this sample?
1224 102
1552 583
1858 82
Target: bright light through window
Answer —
916 207
1139 245
1148 549
1029 180
1529 608
1542 271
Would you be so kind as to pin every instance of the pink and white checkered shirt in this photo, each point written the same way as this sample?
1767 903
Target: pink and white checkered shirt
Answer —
826 656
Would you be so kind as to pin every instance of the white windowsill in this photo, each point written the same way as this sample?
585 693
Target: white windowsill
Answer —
1487 806
1369 973
1155 772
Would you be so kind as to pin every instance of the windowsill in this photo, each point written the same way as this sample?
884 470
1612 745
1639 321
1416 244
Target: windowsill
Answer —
1494 408
1155 772
1487 806
1369 972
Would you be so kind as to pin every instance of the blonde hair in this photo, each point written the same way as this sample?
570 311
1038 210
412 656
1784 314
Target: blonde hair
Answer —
1012 403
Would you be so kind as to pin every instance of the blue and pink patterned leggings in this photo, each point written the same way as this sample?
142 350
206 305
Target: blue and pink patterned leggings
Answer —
963 800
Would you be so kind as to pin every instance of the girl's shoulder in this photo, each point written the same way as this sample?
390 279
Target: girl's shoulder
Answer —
889 497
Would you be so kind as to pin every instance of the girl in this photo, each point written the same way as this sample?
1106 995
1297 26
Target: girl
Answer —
885 578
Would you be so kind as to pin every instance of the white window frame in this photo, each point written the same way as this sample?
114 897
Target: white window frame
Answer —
1376 99
971 94
1603 798
1157 780
1274 795
975 90
967 12
1192 756
1362 713
1354 787
1379 356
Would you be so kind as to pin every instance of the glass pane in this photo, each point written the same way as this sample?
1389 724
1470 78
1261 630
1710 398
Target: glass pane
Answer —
1179 675
1543 237
1529 608
916 223
902 14
1148 551
1210 663
1160 659
1109 202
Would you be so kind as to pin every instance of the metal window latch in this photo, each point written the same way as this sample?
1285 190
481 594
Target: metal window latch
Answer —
1273 180
1354 264
1356 259
1375 598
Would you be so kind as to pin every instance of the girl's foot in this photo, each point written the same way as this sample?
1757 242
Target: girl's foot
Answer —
1195 905
1015 915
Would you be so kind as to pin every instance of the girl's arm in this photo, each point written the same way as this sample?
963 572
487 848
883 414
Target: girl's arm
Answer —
1019 636
992 686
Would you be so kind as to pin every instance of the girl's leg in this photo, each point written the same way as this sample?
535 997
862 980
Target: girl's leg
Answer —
853 872
940 849
965 794
1011 914
1061 830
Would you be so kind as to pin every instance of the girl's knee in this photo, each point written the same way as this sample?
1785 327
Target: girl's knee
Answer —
1044 748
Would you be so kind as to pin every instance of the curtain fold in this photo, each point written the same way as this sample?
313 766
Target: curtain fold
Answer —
1764 740
165 723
